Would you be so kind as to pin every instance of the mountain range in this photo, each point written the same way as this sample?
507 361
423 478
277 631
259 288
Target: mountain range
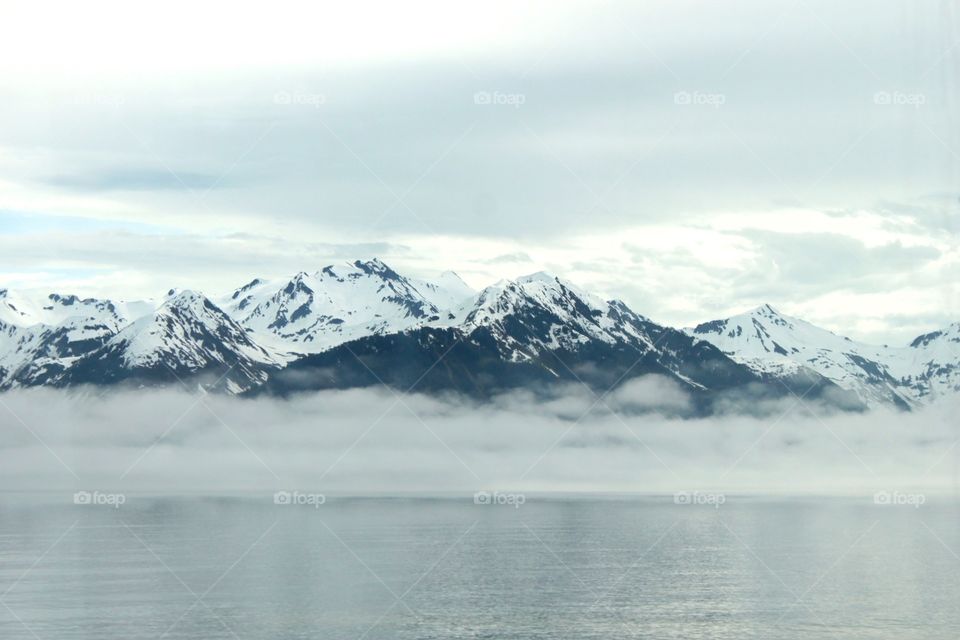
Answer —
361 323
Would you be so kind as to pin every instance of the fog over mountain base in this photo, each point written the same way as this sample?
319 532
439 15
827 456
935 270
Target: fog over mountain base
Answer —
375 441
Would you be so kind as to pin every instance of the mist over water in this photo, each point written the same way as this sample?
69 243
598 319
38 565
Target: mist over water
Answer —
374 441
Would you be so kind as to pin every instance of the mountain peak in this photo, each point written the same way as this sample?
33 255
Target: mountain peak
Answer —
250 285
376 266
343 301
452 278
539 276
765 309
184 297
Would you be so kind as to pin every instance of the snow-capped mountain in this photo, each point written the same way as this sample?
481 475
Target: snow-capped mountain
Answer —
24 310
313 312
541 312
935 363
186 337
448 291
362 323
771 342
41 335
529 332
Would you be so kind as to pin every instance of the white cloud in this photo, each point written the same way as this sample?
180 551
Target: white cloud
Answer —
293 33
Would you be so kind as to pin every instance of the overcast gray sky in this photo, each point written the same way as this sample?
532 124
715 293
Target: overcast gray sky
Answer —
693 158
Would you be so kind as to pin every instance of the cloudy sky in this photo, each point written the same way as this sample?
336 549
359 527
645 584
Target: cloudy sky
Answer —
692 158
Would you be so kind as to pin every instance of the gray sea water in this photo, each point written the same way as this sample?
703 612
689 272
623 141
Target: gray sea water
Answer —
580 567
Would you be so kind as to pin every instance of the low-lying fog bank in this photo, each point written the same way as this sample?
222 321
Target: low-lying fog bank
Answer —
375 441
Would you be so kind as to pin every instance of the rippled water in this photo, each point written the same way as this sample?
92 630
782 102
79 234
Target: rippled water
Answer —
448 568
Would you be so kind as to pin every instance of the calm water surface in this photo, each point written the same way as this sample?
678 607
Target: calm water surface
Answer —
205 568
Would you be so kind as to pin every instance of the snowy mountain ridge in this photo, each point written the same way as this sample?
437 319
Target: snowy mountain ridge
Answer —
766 340
313 312
533 328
